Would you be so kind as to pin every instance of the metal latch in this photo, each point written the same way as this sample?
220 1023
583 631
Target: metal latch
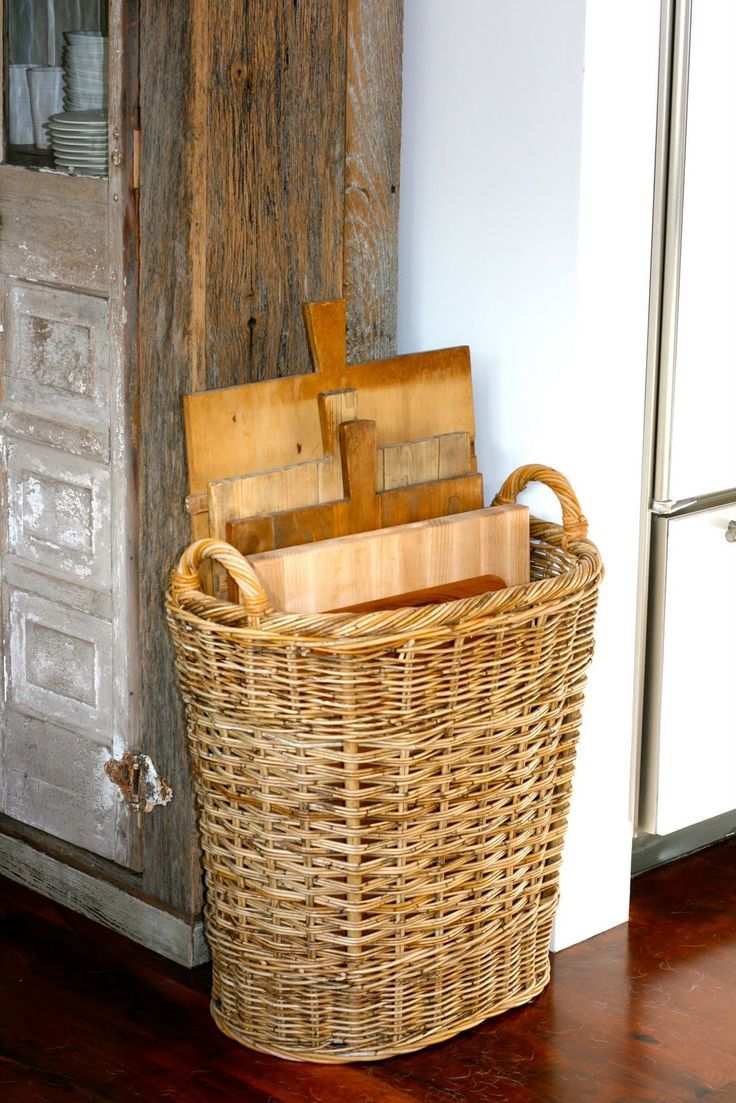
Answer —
139 781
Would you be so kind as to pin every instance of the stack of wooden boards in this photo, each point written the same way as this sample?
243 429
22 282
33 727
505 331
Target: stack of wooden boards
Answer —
279 465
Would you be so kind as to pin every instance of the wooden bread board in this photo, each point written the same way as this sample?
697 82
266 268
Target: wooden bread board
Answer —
276 423
362 508
351 570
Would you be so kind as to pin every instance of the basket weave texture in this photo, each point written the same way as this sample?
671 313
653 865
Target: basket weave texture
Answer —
383 797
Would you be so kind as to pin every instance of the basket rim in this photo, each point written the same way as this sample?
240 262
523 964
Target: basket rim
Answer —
350 631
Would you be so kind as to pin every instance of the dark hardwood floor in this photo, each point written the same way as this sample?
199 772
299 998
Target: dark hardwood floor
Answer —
645 1013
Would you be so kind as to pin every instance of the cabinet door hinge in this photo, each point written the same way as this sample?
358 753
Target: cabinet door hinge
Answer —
139 781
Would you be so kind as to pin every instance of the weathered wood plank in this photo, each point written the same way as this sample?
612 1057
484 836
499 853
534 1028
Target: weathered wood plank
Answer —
173 936
372 150
167 80
53 228
275 187
242 213
122 317
2 82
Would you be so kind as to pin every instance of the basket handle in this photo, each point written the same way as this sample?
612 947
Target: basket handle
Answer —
186 579
574 523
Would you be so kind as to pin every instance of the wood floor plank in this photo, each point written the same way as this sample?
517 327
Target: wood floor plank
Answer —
645 1013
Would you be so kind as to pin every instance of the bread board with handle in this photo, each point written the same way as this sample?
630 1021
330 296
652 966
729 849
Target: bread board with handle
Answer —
276 423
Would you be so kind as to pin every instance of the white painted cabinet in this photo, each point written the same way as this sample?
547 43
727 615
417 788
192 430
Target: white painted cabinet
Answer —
61 594
692 777
67 634
689 731
703 446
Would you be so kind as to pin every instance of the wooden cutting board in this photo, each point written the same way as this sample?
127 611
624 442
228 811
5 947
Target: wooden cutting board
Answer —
351 570
362 508
276 423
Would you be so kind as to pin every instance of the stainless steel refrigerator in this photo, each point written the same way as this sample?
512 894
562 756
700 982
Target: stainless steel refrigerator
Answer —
688 760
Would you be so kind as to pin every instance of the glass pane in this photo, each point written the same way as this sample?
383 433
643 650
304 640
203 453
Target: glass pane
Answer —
56 80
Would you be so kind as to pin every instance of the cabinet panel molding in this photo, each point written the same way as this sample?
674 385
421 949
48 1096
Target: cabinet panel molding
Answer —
56 354
53 228
94 443
55 587
59 512
60 664
55 780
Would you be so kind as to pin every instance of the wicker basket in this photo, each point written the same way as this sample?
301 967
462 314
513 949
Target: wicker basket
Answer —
383 797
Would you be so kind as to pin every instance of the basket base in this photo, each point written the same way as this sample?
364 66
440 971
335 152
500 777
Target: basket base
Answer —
406 1045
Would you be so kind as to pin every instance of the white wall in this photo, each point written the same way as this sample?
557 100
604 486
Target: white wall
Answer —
526 188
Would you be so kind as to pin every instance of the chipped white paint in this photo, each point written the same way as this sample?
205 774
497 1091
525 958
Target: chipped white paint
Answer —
59 511
54 228
56 354
155 928
60 664
58 597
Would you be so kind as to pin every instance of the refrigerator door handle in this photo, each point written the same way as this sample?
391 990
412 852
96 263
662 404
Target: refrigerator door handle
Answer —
669 507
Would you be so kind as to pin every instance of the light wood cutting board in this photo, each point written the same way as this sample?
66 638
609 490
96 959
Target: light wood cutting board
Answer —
351 570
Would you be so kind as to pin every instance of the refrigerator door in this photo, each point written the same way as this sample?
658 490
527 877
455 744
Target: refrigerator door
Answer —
697 445
689 772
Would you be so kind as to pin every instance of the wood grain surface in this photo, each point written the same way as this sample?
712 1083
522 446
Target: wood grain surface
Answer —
275 187
372 147
431 595
53 228
275 423
242 211
373 564
166 369
362 508
641 1014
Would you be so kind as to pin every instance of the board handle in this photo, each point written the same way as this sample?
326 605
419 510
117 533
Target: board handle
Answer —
574 522
186 578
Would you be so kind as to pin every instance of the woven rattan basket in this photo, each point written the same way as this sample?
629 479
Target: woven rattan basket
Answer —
383 797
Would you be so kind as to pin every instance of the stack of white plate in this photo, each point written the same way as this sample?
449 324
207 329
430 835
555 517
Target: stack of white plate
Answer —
79 141
85 63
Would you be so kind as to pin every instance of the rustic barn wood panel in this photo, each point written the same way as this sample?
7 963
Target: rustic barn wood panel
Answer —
167 367
372 148
2 82
244 216
54 228
275 188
